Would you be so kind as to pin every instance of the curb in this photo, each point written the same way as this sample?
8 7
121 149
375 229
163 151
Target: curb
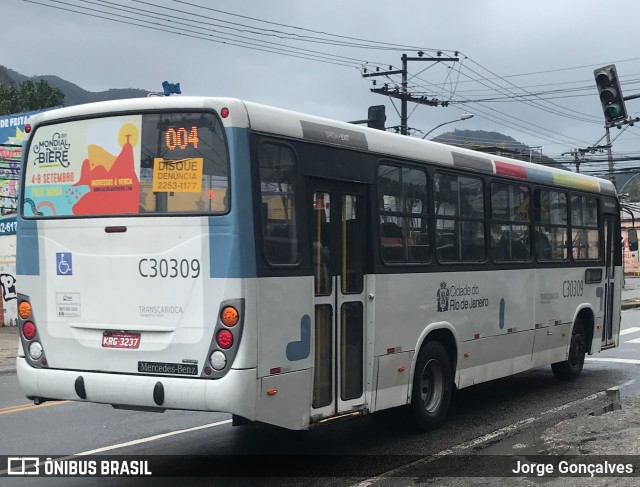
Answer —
630 303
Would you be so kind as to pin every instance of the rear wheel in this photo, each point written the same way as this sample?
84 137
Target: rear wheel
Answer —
571 368
432 385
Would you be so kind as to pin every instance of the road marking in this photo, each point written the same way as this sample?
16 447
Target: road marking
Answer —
27 407
139 441
615 360
154 438
635 340
483 439
633 329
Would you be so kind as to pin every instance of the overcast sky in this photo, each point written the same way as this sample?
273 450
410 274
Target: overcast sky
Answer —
543 49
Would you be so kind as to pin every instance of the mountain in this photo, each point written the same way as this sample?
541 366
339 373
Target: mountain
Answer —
73 94
496 143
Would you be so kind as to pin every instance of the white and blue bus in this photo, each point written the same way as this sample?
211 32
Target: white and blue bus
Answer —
213 254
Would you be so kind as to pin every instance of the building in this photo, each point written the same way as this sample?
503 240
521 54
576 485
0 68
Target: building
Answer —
11 137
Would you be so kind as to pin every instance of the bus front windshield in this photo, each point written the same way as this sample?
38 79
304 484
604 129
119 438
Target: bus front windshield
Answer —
151 163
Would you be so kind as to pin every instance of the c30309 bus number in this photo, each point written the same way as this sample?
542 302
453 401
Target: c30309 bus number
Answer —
572 288
171 268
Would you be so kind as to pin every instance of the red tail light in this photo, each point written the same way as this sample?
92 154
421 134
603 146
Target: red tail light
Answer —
224 338
29 330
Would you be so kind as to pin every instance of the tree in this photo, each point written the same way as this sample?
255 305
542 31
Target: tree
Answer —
29 96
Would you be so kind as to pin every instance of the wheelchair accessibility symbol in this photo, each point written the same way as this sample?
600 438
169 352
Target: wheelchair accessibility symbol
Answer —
63 264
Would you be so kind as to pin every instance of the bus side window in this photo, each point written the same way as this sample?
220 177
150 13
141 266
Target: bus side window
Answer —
551 225
278 187
544 246
392 242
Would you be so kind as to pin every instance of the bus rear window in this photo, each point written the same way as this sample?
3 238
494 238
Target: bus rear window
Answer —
158 163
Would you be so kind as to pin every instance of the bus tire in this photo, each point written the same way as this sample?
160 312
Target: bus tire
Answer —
571 368
432 386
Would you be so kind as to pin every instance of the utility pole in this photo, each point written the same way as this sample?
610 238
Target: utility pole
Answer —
612 174
403 93
404 117
579 154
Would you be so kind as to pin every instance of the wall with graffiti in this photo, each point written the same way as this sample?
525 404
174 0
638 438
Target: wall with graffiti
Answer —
9 169
9 310
11 138
12 127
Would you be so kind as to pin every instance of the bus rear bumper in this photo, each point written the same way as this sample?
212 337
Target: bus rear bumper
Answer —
234 393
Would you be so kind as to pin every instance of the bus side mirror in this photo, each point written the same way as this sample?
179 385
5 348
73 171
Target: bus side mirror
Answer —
632 235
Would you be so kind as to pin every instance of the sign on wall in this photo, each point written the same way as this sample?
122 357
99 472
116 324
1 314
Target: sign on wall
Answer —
12 127
8 271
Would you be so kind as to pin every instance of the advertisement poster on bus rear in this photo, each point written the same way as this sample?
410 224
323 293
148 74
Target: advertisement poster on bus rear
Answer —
89 167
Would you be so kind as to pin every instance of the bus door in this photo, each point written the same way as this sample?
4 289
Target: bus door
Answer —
338 245
608 335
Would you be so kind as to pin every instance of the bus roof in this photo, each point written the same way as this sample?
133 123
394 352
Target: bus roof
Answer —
277 121
292 124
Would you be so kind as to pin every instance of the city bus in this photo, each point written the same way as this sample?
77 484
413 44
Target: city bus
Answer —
213 254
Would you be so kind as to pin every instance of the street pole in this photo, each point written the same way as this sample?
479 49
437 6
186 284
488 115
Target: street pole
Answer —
403 93
464 116
403 107
612 176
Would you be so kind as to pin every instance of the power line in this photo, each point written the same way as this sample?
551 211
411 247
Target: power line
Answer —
249 36
290 52
399 47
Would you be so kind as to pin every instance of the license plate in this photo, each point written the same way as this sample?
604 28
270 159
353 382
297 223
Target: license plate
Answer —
120 340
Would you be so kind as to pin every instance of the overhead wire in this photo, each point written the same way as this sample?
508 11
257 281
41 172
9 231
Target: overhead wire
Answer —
232 38
293 52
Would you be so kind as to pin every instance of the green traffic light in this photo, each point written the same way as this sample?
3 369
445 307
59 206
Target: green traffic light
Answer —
610 93
613 111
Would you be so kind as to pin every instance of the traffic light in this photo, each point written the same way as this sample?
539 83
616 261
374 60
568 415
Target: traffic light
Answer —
376 117
610 94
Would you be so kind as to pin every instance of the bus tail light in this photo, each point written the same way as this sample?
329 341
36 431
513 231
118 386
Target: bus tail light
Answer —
225 341
35 350
24 310
218 360
229 316
29 336
29 330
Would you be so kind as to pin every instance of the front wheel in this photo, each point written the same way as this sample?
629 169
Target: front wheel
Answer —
432 386
571 368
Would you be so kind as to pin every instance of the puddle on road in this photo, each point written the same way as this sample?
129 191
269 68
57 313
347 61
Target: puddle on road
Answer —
527 443
530 442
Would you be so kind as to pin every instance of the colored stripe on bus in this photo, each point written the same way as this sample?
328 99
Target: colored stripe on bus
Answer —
229 255
472 162
27 255
507 169
570 181
538 176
